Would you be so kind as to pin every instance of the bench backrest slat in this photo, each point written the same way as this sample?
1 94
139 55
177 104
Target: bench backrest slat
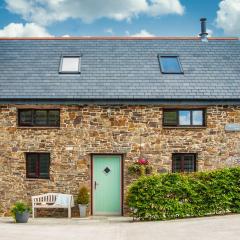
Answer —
45 198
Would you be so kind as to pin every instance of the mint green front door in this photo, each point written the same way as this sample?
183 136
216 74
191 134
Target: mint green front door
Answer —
106 184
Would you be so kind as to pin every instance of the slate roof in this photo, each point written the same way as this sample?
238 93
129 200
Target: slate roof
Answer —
120 68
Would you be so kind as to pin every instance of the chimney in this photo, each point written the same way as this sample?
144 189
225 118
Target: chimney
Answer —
203 33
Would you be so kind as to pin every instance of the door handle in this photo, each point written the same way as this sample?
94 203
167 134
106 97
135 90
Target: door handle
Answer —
95 185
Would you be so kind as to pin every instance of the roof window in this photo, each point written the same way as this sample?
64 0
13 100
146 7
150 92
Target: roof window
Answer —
70 64
170 64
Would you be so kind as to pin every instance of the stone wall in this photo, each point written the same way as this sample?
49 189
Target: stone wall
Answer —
106 129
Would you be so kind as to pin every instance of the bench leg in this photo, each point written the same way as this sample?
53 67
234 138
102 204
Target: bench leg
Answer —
69 212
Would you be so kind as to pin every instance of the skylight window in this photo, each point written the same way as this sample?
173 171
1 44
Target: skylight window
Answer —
170 64
70 64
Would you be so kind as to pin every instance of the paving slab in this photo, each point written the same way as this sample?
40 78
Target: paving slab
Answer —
121 228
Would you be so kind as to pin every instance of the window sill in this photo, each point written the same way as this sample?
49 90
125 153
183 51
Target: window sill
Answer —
187 128
37 179
30 127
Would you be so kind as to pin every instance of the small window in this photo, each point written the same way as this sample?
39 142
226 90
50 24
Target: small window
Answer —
70 64
170 64
25 117
53 118
183 118
38 165
170 118
184 162
40 118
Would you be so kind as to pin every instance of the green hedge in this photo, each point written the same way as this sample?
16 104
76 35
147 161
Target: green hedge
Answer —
174 195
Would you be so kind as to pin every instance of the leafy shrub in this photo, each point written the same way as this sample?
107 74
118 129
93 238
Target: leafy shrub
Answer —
19 207
175 195
83 196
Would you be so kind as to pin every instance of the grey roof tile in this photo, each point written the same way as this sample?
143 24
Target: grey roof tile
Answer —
119 69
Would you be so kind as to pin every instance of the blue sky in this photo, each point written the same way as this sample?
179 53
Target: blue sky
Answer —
19 18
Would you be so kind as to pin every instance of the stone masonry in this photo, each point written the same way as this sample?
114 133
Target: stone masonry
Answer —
85 130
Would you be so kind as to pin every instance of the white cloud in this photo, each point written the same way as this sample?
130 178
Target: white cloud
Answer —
45 12
109 31
210 32
127 33
142 33
228 16
160 7
20 30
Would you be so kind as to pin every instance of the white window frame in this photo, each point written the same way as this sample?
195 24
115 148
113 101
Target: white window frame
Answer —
70 72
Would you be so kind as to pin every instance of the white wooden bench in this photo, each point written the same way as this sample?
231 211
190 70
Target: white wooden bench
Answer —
52 200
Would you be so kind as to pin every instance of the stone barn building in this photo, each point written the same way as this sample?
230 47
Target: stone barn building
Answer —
79 111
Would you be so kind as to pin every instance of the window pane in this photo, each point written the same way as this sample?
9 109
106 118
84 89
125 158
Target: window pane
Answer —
170 65
53 117
184 118
32 165
41 117
184 162
25 117
70 64
44 159
176 166
197 117
170 118
189 163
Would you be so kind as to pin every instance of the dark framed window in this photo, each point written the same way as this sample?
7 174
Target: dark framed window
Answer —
184 162
183 117
37 165
170 64
39 117
70 64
